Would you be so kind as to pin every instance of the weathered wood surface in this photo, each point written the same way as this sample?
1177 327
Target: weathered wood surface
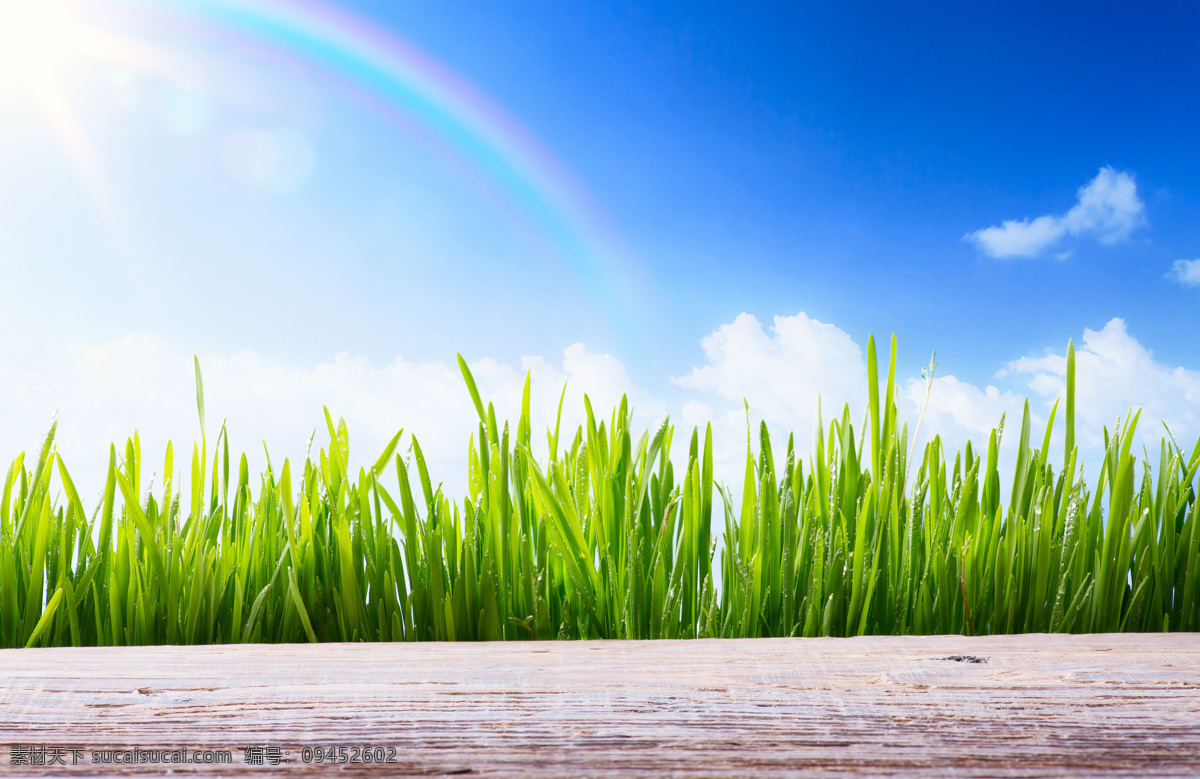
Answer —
1039 706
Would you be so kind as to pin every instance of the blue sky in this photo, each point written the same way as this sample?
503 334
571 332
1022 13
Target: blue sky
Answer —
829 158
735 159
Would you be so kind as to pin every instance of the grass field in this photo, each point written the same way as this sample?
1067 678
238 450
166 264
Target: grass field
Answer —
606 539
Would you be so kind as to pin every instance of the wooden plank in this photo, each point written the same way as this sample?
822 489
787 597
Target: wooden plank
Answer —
1032 705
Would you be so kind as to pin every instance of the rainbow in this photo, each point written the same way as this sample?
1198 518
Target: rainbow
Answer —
442 104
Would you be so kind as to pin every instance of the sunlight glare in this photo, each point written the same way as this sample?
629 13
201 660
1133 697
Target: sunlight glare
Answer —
36 39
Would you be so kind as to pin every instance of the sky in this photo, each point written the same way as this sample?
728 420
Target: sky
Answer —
693 204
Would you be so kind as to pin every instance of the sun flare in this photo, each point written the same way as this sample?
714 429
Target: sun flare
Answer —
37 38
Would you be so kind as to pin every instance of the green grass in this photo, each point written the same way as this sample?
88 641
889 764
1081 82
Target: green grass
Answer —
606 539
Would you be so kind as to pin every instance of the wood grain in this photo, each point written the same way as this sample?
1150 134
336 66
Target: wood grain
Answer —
1031 705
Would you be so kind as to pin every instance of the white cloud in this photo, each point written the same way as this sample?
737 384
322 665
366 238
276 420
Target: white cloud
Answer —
780 374
106 391
1185 272
958 411
1026 238
1114 373
141 382
1108 210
